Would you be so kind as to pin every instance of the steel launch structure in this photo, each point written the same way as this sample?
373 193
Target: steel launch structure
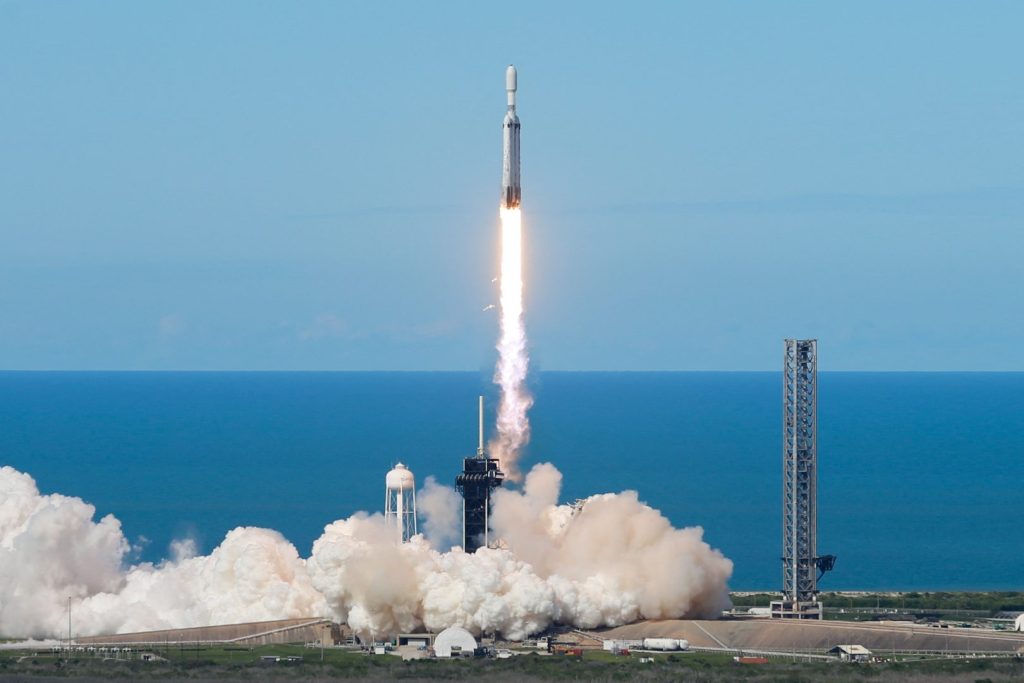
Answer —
800 560
479 477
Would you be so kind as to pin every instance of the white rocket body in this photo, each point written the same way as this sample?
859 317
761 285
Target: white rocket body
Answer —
511 192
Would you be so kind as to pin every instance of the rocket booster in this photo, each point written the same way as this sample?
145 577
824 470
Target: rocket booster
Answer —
511 192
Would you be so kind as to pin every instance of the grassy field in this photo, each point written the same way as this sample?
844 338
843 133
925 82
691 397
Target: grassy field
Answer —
220 664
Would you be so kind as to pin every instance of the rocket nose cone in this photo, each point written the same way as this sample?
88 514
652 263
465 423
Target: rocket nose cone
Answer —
510 78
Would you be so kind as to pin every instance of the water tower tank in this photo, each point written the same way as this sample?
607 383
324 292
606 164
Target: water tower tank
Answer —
400 502
400 478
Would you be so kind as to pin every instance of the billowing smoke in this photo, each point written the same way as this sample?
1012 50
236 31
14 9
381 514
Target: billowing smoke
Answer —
613 559
51 549
610 561
513 361
441 510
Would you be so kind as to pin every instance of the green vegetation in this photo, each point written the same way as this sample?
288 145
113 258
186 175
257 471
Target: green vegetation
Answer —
244 656
201 664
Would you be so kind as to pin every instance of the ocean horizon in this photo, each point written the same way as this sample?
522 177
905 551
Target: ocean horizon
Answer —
918 485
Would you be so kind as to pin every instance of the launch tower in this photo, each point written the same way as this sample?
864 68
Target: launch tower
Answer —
480 475
800 561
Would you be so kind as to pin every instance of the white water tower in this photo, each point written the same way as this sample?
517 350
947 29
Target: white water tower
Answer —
400 503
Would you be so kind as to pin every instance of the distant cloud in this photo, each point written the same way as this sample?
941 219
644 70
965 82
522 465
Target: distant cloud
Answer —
434 329
171 325
984 201
326 326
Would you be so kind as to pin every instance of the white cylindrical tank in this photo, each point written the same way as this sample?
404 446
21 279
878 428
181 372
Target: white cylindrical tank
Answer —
400 478
454 641
1019 624
665 644
400 502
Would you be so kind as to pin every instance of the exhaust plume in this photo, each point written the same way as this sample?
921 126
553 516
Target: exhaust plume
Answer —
607 562
513 361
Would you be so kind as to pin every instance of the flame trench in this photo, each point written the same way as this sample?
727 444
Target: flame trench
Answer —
513 361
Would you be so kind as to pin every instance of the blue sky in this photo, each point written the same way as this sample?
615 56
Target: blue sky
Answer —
248 185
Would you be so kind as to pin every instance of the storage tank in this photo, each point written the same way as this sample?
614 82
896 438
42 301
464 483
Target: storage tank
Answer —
400 502
665 644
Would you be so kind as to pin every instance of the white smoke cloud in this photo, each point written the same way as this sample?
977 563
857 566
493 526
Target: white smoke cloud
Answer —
611 562
50 550
440 507
368 580
615 559
253 575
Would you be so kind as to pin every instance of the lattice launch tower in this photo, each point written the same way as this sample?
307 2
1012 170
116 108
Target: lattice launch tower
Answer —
800 560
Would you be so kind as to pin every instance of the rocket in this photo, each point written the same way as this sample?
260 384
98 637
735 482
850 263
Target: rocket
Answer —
511 191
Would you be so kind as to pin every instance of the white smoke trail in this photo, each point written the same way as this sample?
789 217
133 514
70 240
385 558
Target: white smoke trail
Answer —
513 361
615 561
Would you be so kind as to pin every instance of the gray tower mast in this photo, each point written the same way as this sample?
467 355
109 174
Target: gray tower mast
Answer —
800 561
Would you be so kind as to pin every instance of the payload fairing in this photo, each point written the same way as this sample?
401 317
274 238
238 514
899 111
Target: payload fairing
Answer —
511 192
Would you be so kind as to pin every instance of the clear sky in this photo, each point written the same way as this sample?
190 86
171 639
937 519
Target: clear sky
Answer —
278 185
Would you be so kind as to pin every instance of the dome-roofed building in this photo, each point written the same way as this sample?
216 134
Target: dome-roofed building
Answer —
454 642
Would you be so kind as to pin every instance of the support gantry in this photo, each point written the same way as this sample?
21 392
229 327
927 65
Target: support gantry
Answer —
800 561
479 477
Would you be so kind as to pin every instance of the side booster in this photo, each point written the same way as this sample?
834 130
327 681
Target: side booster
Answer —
511 191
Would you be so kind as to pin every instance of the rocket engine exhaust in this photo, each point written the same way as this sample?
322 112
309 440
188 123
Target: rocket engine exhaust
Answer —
513 361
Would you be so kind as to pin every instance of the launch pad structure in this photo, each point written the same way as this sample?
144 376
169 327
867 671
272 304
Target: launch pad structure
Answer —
479 477
800 560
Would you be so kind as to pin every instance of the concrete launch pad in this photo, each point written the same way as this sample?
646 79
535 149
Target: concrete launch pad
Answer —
772 635
749 635
248 634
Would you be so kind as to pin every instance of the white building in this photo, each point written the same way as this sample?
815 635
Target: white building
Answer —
851 653
454 642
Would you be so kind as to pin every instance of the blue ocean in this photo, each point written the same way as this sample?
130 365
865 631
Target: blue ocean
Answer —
921 475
